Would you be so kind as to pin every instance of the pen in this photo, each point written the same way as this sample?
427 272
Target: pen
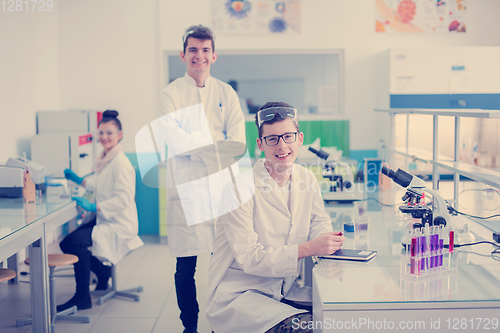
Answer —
220 106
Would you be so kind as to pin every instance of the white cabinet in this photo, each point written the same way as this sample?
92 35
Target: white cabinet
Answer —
440 78
59 151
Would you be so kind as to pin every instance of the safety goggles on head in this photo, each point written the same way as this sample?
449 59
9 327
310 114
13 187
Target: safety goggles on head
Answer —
196 29
270 113
186 35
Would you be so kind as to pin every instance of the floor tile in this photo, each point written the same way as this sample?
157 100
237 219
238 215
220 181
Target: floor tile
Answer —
149 306
124 325
62 326
9 326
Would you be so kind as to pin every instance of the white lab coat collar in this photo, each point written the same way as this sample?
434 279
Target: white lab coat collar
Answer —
263 181
192 82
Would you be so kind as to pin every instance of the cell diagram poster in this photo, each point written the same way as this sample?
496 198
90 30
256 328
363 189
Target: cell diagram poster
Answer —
256 16
420 16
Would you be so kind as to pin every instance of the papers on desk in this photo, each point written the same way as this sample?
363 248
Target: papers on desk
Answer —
357 255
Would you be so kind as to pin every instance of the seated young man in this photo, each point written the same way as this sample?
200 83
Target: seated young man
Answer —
259 247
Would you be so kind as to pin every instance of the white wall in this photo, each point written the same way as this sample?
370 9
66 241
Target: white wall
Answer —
108 59
83 54
28 76
334 24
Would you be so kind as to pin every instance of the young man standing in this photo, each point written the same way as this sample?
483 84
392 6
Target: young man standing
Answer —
202 114
259 247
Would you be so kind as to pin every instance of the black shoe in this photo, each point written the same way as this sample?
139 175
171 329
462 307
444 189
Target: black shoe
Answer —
81 302
189 331
103 278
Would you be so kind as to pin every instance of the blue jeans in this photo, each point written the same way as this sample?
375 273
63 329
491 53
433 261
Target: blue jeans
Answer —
186 292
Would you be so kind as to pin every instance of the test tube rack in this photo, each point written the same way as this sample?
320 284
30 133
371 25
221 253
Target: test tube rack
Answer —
426 254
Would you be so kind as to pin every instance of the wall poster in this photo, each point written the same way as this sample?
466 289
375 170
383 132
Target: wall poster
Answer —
420 16
256 16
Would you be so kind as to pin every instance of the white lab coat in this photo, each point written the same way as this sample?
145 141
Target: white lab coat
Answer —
224 120
255 260
115 232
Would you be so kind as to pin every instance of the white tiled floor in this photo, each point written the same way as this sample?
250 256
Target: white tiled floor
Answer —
150 266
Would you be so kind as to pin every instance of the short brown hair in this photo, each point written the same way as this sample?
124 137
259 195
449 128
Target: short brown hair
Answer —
275 119
199 32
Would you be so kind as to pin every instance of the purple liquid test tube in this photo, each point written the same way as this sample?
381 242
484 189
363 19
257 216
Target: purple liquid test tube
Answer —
436 249
423 249
441 245
432 247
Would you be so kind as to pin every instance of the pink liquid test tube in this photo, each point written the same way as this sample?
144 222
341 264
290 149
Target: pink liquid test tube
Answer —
452 241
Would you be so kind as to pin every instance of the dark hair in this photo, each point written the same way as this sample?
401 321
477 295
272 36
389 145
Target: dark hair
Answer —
111 115
198 32
234 85
276 119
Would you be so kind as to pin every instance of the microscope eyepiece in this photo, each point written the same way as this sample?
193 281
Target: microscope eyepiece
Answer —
320 153
388 172
400 177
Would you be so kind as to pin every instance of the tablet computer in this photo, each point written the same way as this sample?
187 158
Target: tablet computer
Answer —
346 254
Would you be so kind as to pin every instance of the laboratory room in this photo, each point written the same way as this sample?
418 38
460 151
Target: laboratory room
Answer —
244 166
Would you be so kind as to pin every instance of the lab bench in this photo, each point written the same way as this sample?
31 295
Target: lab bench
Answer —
377 296
23 225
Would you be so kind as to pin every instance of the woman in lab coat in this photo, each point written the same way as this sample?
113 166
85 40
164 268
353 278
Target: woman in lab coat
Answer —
259 247
110 225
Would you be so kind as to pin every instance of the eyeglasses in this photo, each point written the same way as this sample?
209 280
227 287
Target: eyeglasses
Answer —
108 133
270 113
273 140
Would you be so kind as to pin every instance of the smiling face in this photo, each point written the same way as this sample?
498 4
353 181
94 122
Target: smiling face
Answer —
280 158
198 57
109 135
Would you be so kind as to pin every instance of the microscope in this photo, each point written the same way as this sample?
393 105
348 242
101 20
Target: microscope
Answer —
415 187
341 186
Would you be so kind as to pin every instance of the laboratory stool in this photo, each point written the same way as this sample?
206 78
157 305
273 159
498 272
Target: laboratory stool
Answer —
109 294
54 261
6 274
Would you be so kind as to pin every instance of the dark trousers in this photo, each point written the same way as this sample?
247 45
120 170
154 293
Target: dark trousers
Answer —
77 243
297 305
186 291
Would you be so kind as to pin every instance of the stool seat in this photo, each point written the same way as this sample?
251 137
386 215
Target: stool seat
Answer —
6 274
55 260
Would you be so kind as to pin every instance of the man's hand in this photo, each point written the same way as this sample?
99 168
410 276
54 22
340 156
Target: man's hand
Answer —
325 244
